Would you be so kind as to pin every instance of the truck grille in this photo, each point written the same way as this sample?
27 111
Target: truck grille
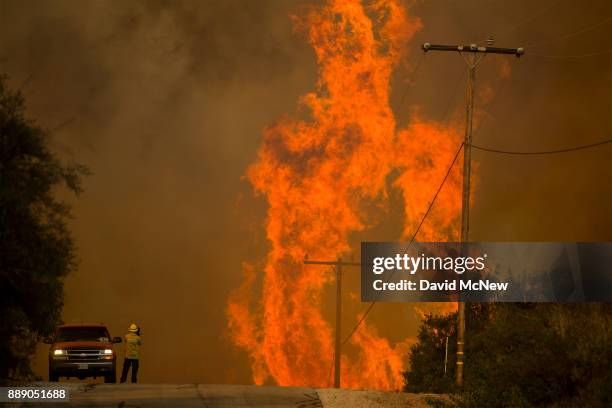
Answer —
84 354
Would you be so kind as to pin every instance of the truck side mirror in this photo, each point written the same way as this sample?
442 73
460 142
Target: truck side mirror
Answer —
117 340
48 340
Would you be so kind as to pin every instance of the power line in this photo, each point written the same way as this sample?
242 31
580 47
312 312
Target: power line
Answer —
499 91
573 34
451 98
62 125
592 54
411 78
371 305
532 16
541 152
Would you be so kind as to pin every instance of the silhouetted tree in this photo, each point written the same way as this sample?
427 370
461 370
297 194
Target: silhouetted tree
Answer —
427 355
36 249
523 355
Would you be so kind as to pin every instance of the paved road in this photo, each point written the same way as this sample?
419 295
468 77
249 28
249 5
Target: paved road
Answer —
187 395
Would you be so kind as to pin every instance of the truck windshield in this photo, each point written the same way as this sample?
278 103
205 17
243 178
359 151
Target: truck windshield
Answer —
82 334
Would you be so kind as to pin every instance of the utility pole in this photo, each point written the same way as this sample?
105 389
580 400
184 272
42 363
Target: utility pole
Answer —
338 340
472 55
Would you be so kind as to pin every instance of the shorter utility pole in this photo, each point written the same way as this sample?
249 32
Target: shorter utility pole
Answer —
472 55
338 263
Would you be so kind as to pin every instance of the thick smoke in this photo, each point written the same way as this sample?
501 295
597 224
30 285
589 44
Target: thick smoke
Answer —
165 102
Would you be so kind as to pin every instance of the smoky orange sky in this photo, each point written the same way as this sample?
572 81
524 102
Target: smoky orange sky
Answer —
166 103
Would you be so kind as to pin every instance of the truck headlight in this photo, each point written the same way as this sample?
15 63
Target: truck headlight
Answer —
59 352
107 351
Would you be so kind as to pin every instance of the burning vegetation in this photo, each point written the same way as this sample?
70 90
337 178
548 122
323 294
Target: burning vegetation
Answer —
320 169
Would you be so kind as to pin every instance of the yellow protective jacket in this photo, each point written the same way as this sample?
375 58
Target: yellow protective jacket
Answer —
132 346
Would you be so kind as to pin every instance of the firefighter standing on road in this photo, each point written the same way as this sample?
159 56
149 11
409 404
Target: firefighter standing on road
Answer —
132 353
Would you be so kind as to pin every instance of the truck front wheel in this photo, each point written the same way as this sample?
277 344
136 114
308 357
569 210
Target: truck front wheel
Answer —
53 377
110 378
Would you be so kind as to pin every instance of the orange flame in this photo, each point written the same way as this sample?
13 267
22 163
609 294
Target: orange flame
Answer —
424 152
318 176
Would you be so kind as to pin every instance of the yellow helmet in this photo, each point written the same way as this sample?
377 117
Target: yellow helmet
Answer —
133 328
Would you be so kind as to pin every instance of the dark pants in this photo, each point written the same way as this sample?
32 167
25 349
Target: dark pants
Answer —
126 366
